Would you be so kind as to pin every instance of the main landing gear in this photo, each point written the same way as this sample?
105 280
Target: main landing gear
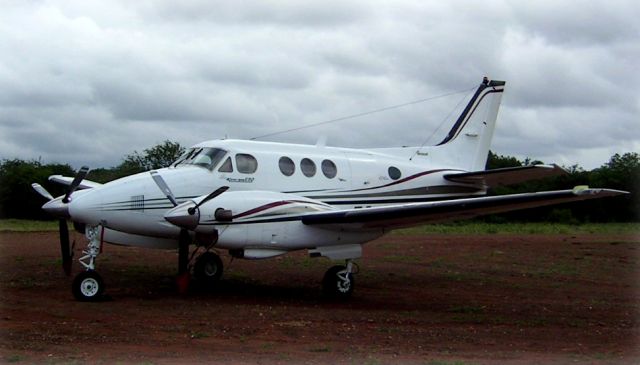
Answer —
338 281
208 268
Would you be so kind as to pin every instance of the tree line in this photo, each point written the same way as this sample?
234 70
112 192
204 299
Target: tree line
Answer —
18 200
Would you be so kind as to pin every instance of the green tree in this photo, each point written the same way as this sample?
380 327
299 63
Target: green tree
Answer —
621 172
159 156
17 198
497 162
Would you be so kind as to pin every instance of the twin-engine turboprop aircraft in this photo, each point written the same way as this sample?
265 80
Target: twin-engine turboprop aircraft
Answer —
259 200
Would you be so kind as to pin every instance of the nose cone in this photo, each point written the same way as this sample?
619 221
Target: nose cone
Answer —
57 208
181 217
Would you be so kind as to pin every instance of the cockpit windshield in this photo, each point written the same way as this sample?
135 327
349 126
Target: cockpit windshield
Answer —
206 157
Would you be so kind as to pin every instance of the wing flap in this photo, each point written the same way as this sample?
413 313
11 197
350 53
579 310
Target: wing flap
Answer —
506 176
406 215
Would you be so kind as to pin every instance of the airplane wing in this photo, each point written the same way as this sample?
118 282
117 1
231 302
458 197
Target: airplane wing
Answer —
507 176
406 215
66 180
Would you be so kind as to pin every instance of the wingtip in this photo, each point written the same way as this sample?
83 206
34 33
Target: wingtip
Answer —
586 190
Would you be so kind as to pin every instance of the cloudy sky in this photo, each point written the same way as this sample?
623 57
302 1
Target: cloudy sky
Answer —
87 82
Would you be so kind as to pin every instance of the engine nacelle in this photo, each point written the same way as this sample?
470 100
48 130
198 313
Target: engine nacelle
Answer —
261 224
237 207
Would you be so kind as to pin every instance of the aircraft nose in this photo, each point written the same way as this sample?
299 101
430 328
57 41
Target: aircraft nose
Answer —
57 208
181 216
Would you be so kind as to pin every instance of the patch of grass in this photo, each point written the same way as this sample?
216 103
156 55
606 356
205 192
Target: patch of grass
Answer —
372 361
23 225
198 335
404 259
320 349
555 270
442 362
521 228
471 309
14 358
24 283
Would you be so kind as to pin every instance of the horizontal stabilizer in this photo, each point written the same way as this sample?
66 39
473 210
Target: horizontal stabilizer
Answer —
507 176
66 180
406 215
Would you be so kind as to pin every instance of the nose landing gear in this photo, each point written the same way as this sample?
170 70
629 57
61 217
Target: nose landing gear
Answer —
88 286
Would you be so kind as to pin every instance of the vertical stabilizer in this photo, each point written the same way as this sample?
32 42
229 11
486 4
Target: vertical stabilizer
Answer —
467 144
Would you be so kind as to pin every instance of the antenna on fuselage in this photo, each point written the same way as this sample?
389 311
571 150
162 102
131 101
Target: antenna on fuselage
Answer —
362 114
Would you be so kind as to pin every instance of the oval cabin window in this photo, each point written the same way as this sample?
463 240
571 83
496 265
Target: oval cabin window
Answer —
308 167
286 165
394 173
329 169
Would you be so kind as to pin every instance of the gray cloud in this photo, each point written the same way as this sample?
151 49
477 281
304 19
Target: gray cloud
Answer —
87 82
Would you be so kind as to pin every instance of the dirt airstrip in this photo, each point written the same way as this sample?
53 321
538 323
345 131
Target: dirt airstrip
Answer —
440 299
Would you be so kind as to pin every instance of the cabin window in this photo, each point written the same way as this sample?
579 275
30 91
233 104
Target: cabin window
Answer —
287 167
246 164
394 173
226 166
308 167
329 169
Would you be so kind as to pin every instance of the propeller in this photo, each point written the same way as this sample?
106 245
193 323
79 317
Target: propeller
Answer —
164 187
42 191
65 246
184 239
80 175
218 191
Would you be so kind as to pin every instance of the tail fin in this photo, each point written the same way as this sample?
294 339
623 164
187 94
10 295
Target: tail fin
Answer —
467 143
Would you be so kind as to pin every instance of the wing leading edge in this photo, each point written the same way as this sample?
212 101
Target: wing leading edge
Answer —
406 215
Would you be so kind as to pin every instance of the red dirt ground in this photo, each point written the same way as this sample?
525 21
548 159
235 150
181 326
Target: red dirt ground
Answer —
443 299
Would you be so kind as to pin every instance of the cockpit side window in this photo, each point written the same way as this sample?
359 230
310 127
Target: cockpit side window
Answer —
226 166
206 157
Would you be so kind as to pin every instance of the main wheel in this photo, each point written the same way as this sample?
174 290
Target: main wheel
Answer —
337 283
208 268
88 286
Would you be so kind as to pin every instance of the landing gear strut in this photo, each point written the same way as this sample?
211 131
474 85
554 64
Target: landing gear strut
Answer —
88 285
208 266
338 281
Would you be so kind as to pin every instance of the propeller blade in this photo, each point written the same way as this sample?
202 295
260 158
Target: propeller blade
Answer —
42 191
65 248
164 187
214 194
184 241
82 173
184 276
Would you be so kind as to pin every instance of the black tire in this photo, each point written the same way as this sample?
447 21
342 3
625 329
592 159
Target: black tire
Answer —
333 286
208 268
88 286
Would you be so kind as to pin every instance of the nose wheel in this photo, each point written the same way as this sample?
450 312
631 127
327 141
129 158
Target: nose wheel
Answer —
88 286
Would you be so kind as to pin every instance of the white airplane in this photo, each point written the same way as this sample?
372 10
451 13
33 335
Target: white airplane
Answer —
261 199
